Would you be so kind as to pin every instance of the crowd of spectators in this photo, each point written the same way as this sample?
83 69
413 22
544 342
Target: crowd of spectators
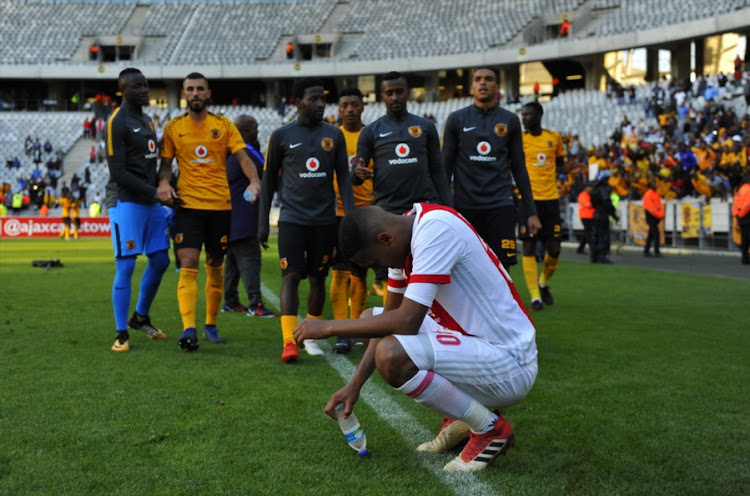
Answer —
700 147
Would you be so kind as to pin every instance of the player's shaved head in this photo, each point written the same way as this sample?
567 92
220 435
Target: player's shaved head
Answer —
126 74
357 228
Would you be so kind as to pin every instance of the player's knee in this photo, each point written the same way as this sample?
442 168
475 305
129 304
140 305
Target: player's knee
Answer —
553 248
317 283
125 266
188 259
393 363
529 247
291 278
159 261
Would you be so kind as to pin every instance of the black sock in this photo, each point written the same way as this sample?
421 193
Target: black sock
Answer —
122 336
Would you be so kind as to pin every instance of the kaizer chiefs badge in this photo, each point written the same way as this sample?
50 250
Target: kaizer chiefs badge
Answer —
130 244
215 133
501 129
178 238
283 263
523 229
327 144
415 131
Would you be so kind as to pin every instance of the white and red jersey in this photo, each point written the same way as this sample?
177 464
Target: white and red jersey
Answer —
453 271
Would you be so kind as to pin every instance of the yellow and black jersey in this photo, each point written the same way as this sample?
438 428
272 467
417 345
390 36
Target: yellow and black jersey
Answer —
201 151
541 156
362 192
64 202
75 209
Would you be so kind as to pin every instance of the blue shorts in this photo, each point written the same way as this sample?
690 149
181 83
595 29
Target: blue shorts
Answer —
138 229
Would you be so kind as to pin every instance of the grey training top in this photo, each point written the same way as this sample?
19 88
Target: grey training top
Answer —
131 157
407 164
300 161
481 150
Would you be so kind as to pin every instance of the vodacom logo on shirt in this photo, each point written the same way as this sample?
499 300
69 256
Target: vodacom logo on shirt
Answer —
201 152
483 148
402 151
541 160
151 150
312 164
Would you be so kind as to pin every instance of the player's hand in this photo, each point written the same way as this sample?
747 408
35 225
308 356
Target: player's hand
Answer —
255 187
263 237
309 329
362 172
166 193
348 395
534 225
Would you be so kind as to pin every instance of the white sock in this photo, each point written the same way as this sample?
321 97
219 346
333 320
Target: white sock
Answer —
440 395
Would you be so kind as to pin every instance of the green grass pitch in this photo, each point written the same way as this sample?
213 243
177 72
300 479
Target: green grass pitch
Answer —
642 389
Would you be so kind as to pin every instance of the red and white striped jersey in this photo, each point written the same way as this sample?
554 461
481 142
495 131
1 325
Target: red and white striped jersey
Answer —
454 272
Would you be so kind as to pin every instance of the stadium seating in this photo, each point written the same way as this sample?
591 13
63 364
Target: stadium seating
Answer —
62 129
48 33
635 15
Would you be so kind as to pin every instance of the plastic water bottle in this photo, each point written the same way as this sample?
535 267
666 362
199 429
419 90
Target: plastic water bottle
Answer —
353 432
249 196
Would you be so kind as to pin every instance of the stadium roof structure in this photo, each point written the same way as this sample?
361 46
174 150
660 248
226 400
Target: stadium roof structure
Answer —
232 39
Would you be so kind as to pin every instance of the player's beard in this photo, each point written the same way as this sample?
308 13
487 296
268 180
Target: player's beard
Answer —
197 106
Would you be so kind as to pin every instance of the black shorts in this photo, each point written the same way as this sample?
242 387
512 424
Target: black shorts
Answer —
66 221
195 228
548 212
497 226
307 250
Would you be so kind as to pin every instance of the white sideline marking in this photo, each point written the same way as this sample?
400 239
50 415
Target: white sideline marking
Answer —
462 483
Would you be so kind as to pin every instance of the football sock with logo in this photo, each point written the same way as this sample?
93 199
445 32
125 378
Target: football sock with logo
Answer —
214 292
150 281
530 275
288 325
548 268
187 296
357 295
440 395
121 287
339 290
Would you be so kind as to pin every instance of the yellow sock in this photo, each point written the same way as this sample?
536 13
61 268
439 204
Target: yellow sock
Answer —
358 295
187 296
530 275
66 233
214 292
339 290
288 325
548 268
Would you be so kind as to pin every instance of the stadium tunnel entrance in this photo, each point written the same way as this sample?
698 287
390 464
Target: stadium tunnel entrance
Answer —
570 74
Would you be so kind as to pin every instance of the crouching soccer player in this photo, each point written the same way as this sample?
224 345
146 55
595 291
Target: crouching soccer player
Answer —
473 353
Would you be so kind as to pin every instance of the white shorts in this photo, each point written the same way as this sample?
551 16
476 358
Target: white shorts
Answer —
484 371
